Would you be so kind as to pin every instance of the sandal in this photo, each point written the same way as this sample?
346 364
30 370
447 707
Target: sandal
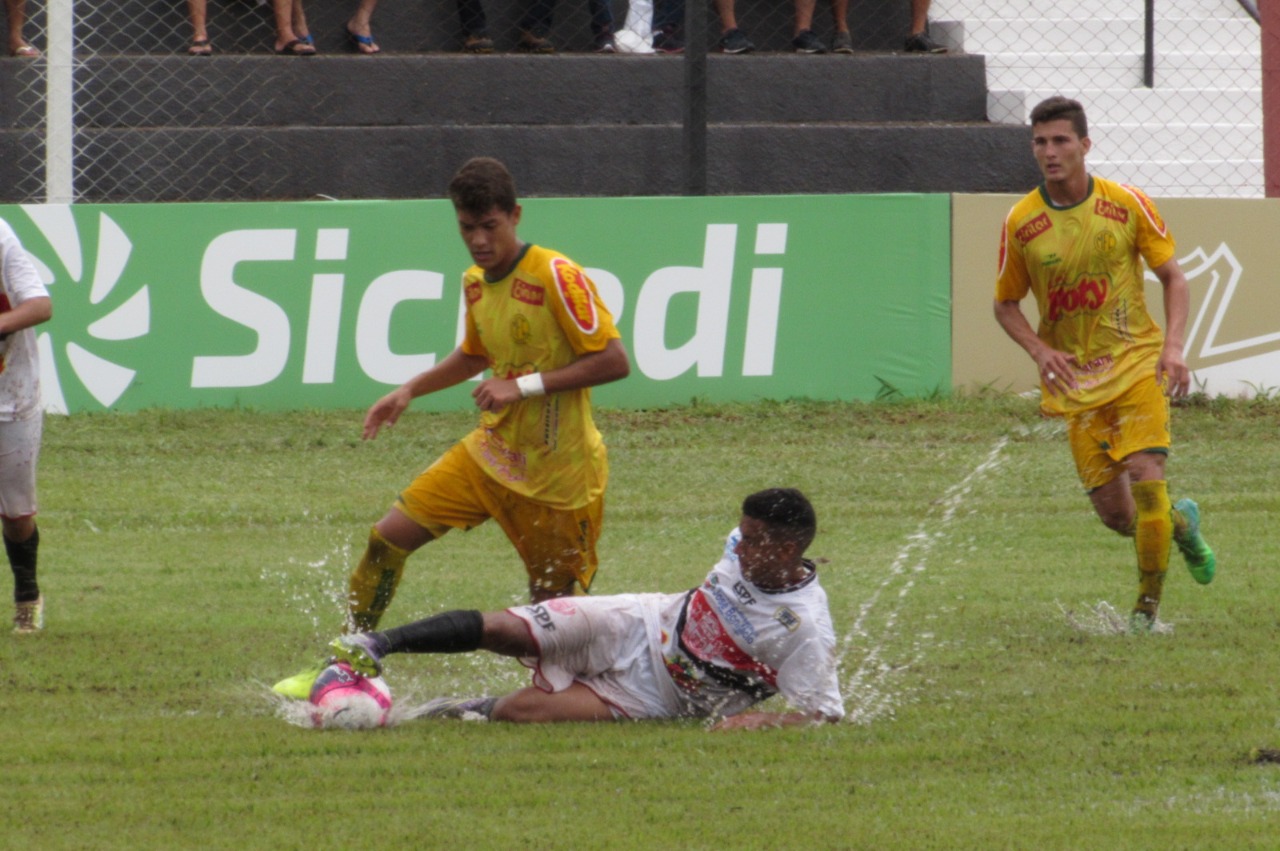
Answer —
26 51
200 47
363 43
297 47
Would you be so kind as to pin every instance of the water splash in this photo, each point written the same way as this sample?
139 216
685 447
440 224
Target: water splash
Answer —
872 689
1102 618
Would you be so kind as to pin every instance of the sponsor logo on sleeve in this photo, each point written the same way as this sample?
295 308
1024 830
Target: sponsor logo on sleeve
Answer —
1148 208
474 290
787 618
528 293
576 295
1033 228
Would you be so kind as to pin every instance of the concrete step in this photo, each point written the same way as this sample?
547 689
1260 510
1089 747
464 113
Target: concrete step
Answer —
1123 70
448 89
1012 35
551 160
1203 178
1194 141
976 9
1238 106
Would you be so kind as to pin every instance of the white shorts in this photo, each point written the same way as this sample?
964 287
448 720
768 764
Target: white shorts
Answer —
610 645
19 451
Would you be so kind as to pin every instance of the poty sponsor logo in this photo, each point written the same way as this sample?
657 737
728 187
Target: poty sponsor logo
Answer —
474 291
576 296
1033 228
528 293
1111 210
1087 294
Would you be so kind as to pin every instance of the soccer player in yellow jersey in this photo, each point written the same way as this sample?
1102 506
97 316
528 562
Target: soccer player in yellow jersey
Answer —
1077 243
536 463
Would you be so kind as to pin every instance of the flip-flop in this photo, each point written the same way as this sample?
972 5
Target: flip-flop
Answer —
200 47
26 51
297 47
363 43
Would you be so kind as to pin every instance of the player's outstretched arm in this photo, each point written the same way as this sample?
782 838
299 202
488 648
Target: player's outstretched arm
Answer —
1172 366
769 720
456 368
31 312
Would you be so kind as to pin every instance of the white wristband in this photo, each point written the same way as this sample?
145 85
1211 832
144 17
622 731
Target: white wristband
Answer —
530 385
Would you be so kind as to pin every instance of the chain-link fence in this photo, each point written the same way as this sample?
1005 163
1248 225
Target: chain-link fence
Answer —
117 109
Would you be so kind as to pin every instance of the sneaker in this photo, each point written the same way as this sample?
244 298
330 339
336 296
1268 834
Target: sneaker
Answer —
667 40
29 617
477 44
1201 561
360 651
530 43
298 687
604 43
806 42
922 43
1141 623
736 41
843 43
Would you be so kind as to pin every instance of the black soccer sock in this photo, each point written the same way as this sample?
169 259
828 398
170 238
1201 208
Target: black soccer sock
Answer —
458 631
22 559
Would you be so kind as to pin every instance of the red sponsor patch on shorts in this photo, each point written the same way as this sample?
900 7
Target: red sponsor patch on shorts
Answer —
572 285
528 293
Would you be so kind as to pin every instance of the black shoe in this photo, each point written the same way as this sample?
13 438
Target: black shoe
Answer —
736 41
922 43
604 43
806 42
843 43
530 43
667 40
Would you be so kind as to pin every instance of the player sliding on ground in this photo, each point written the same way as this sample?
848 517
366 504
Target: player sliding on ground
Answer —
757 626
1078 242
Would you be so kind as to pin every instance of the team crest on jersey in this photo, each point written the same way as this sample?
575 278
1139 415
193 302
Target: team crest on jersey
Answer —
787 618
572 286
521 331
1033 228
474 291
1105 243
528 293
1111 210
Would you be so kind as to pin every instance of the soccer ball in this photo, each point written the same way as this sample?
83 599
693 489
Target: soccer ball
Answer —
343 698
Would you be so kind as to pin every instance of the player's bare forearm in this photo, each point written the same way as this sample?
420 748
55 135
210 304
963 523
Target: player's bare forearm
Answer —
31 312
456 368
590 370
1171 369
1055 367
770 720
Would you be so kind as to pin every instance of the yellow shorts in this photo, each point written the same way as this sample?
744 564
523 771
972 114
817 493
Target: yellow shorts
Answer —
1101 438
558 546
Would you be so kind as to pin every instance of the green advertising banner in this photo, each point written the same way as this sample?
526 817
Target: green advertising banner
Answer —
329 304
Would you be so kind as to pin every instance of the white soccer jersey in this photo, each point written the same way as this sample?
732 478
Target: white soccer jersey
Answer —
715 650
19 366
729 644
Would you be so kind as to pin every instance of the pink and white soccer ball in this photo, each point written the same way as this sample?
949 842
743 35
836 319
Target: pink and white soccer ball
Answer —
343 698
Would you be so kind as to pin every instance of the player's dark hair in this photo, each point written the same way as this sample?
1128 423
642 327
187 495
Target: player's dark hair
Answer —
1059 107
784 510
482 184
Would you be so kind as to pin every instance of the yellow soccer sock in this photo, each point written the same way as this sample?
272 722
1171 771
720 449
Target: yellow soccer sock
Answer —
373 583
1153 538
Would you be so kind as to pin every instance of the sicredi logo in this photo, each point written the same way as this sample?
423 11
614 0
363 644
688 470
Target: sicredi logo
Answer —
340 312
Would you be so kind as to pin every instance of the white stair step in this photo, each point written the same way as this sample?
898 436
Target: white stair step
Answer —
1175 141
1179 178
1155 106
1011 35
965 9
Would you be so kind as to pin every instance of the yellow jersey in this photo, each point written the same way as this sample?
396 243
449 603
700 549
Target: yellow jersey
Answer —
1082 263
543 315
